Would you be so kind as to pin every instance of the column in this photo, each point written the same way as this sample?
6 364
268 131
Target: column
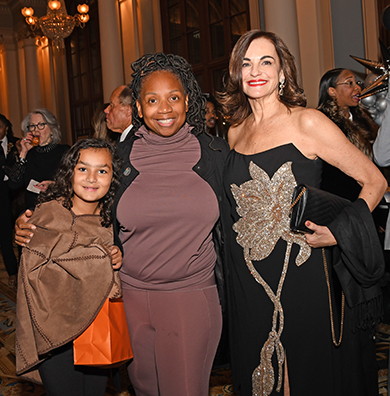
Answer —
110 46
33 86
12 83
280 17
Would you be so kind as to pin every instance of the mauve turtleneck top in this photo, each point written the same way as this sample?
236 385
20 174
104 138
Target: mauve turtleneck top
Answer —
167 215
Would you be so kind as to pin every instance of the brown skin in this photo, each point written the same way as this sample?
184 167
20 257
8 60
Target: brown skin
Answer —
3 130
162 98
211 115
163 103
345 95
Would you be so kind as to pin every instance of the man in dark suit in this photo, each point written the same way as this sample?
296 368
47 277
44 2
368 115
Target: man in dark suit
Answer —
119 112
8 157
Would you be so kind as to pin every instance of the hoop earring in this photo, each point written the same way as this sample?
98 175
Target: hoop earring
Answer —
282 84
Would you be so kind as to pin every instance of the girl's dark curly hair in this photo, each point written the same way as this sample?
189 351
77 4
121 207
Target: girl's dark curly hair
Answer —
234 102
179 66
62 188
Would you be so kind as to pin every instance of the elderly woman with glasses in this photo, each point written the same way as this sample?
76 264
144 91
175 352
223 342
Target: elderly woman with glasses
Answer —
339 101
40 155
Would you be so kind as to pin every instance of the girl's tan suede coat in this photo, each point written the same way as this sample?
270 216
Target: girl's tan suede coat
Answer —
65 275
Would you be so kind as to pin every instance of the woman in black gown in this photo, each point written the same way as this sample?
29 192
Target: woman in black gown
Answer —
280 312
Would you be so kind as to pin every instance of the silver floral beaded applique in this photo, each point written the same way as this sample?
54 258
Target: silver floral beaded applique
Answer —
263 205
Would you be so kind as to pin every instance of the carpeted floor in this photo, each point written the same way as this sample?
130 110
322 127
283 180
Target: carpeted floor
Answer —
11 385
220 381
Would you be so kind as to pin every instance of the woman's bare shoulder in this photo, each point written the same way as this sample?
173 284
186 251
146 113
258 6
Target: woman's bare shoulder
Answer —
313 122
308 116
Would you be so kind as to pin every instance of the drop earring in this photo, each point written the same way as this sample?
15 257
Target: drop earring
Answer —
281 87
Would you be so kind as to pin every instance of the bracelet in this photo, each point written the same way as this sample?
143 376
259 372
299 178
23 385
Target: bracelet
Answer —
22 160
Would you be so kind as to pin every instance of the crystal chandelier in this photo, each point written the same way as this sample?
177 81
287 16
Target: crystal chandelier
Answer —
57 24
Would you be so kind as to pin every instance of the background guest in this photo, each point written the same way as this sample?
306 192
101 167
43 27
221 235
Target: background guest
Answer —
40 154
8 156
99 125
211 115
119 112
339 101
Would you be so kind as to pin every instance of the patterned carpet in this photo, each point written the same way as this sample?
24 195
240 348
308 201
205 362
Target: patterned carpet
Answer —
11 385
220 381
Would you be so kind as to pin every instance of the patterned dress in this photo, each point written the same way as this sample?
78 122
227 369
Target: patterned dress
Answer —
277 284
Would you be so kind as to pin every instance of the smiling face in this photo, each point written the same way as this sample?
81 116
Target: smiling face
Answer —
91 180
44 134
346 91
163 103
261 71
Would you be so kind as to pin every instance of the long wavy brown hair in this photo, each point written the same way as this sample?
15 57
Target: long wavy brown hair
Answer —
234 102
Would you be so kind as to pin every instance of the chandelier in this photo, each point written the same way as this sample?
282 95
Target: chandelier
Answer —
57 24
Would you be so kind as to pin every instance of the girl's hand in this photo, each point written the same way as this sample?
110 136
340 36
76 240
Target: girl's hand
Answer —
321 237
43 185
116 257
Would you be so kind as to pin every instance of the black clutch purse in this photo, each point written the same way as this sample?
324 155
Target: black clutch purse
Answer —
318 206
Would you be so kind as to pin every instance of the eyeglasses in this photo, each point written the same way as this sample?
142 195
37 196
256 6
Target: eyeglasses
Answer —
40 126
351 83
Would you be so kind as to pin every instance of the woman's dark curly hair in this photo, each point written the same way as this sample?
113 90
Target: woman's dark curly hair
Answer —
234 102
62 188
178 66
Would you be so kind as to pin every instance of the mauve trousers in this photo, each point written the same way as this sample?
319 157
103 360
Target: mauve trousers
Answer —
174 336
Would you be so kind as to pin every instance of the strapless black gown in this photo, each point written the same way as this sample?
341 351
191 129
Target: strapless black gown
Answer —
258 222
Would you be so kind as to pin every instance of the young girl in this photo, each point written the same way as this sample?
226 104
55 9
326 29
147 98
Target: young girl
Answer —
66 272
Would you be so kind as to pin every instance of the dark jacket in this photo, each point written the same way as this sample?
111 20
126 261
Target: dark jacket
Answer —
41 164
9 162
210 167
359 263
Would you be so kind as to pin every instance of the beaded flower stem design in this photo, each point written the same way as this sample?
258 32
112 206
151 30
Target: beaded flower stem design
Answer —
263 205
263 376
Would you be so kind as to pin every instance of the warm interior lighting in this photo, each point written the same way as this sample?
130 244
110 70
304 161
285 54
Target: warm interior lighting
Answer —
31 20
54 5
84 18
57 24
82 8
26 12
